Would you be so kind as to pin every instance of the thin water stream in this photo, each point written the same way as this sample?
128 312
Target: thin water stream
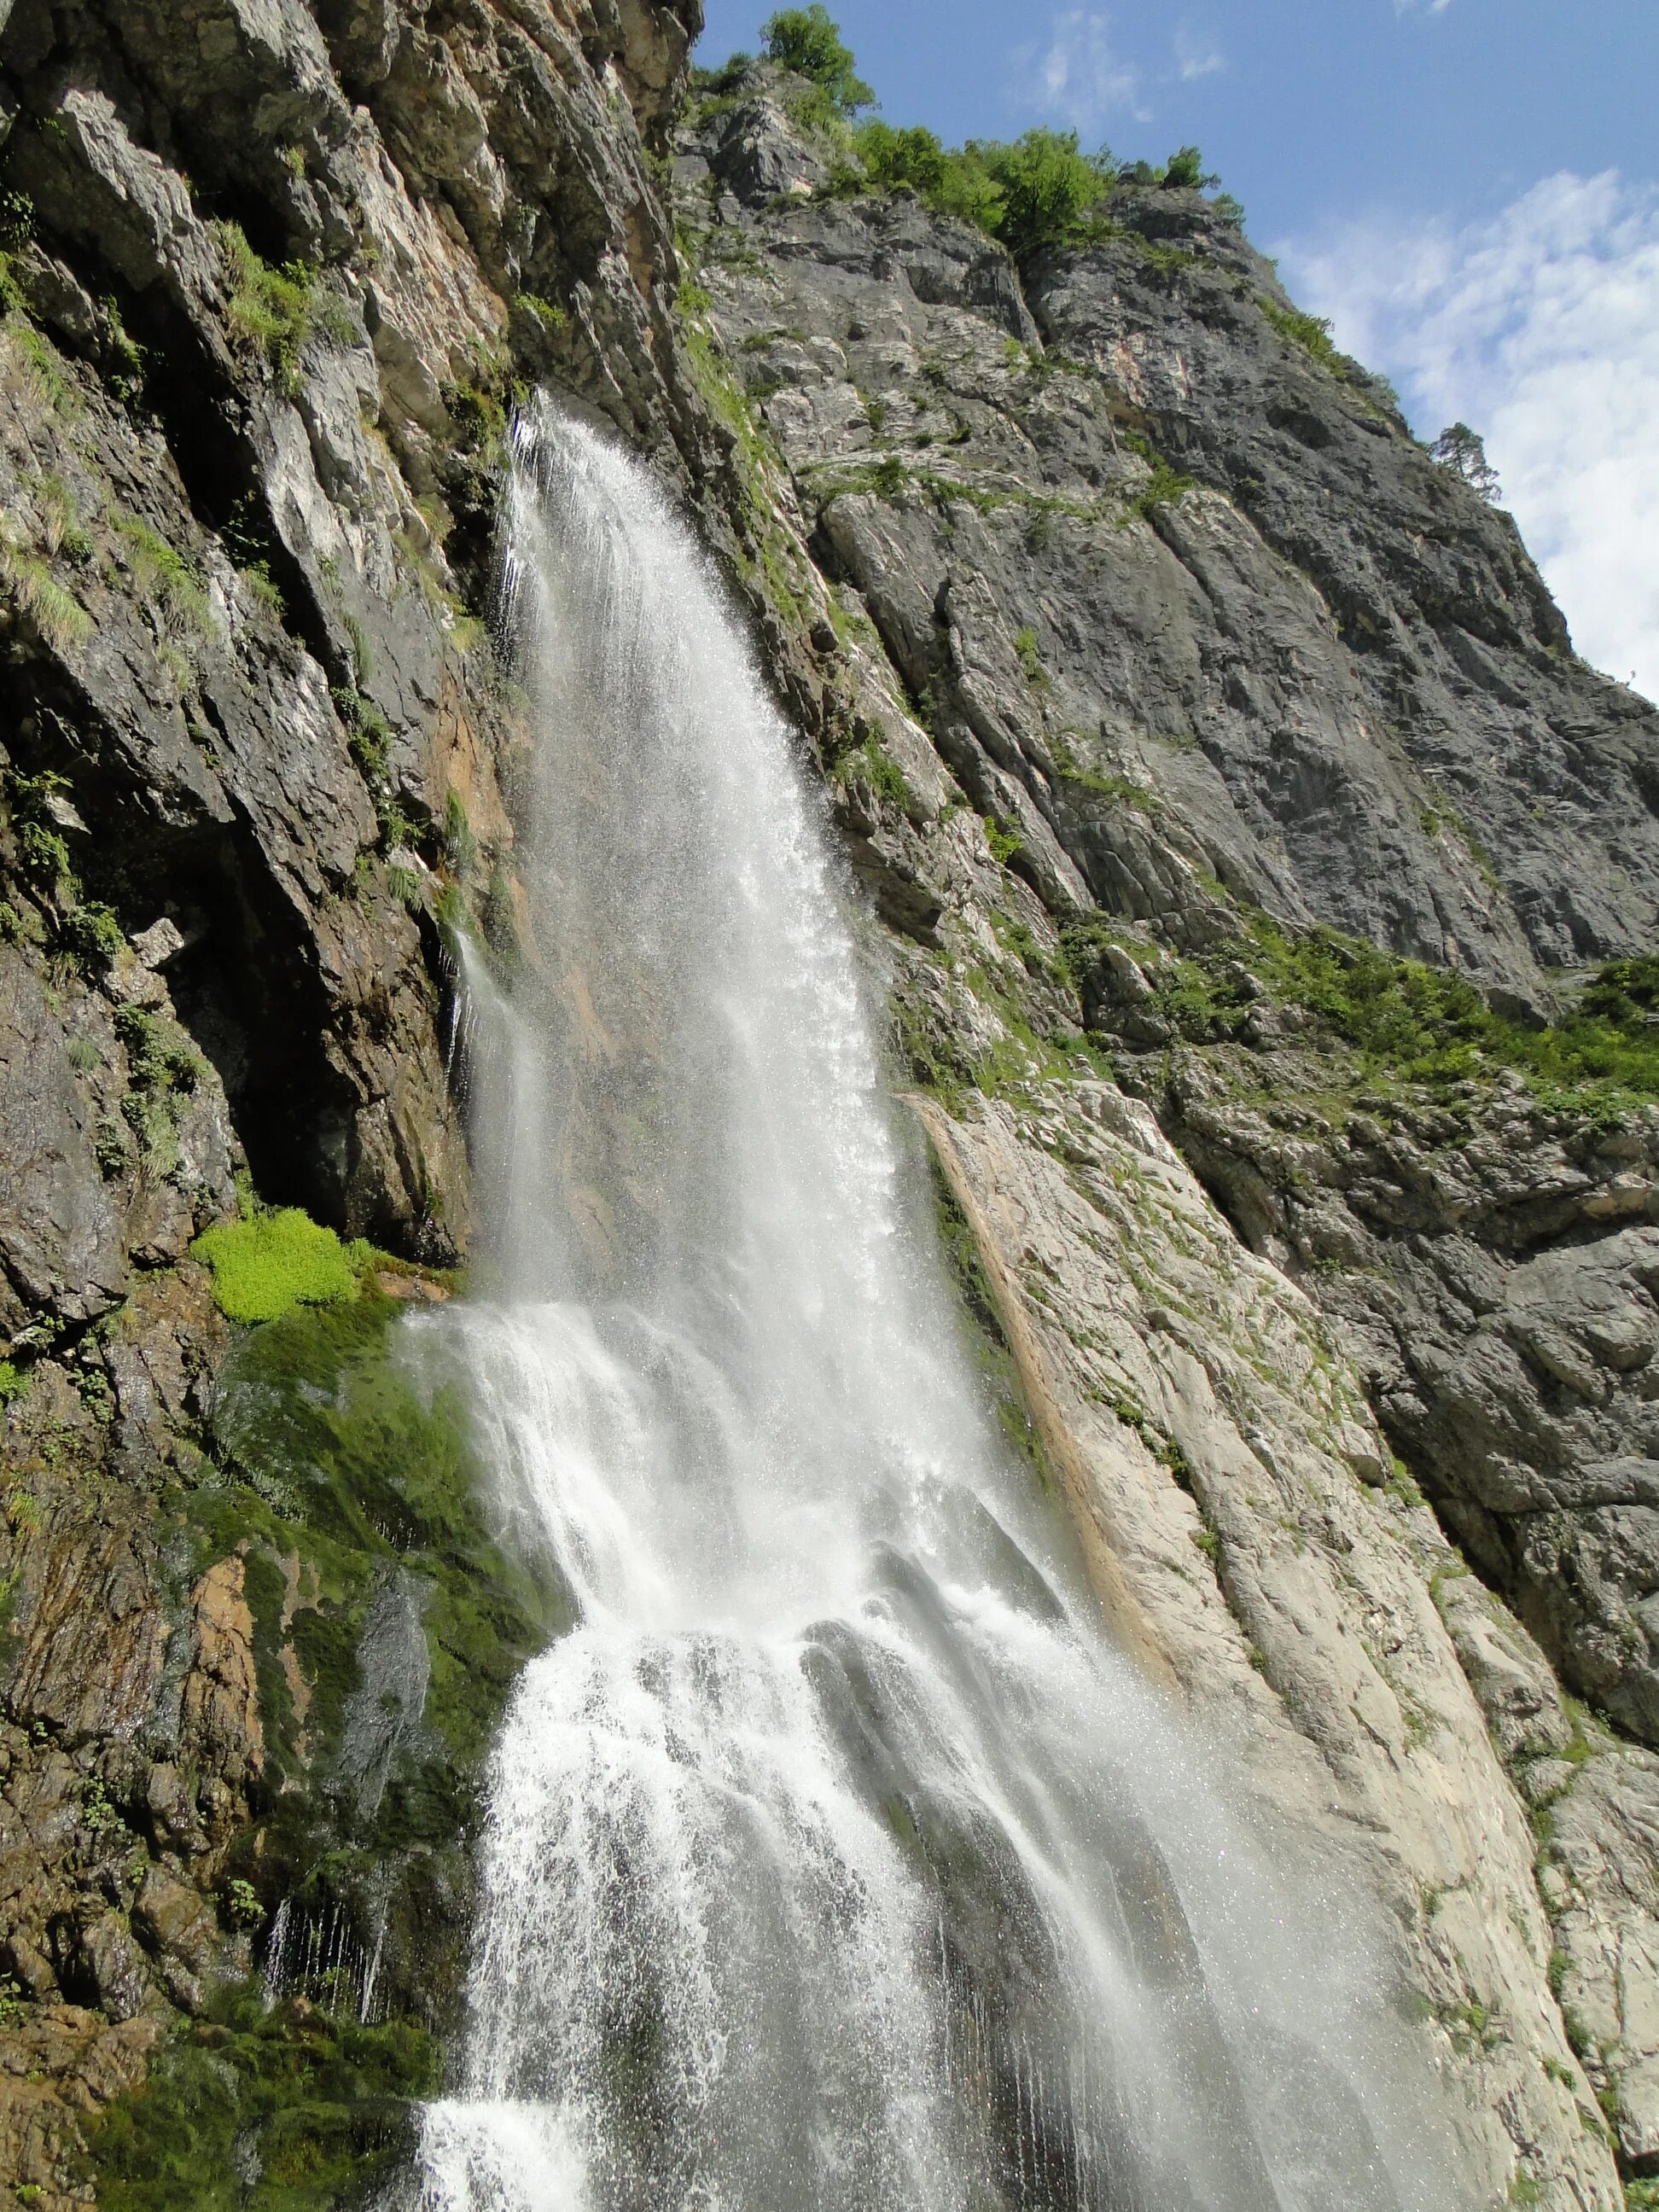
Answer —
834 1861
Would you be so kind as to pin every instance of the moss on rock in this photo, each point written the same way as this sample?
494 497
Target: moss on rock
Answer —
388 1630
266 1264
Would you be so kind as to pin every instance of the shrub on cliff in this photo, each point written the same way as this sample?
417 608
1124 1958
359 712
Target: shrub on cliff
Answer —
894 160
808 40
1048 187
1040 189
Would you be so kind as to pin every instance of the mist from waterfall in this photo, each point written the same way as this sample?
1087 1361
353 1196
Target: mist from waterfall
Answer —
834 1861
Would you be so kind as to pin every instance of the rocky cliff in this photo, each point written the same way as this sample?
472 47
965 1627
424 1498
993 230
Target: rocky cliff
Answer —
1240 840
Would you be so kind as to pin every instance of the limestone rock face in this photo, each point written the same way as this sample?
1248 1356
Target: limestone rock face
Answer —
1111 614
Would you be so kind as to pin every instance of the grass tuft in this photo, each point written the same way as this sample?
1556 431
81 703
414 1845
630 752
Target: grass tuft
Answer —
275 310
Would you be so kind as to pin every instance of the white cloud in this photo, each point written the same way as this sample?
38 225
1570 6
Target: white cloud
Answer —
1541 327
1079 77
1196 55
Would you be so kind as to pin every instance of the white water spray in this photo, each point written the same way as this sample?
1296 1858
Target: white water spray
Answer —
834 1862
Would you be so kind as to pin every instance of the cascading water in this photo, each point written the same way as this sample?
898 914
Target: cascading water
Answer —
834 1860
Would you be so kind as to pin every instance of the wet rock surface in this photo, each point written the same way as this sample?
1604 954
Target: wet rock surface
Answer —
277 273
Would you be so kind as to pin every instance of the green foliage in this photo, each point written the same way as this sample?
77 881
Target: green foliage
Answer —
363 654
13 1383
1003 838
1626 993
969 190
894 159
60 520
1027 650
721 82
242 1903
97 1814
550 317
1162 489
1046 187
57 616
871 763
1311 332
40 369
808 40
263 587
264 1265
273 309
1039 191
93 933
1463 452
369 734
328 2103
16 228
1184 172
460 846
1407 1023
161 573
85 928
480 416
333 1444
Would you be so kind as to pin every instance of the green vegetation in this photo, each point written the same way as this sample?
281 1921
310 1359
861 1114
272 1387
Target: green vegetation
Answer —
273 309
328 2102
13 1383
1003 838
161 574
55 613
344 1475
1162 489
808 41
1038 190
550 316
369 734
1407 1022
16 228
266 1264
869 762
1463 452
162 1072
1311 332
86 929
61 531
898 161
1046 187
40 370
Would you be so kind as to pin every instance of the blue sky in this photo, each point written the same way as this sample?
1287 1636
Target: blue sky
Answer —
1469 188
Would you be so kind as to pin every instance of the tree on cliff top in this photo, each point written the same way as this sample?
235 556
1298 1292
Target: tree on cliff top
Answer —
1464 452
808 40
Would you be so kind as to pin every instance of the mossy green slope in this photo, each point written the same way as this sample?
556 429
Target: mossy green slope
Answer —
342 1476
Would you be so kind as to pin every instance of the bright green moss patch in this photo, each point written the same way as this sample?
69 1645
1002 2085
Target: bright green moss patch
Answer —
265 2111
264 1265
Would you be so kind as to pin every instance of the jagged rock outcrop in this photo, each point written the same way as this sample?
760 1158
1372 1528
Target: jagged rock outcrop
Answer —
270 276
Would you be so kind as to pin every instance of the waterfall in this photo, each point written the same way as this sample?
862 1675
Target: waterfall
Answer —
834 1861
